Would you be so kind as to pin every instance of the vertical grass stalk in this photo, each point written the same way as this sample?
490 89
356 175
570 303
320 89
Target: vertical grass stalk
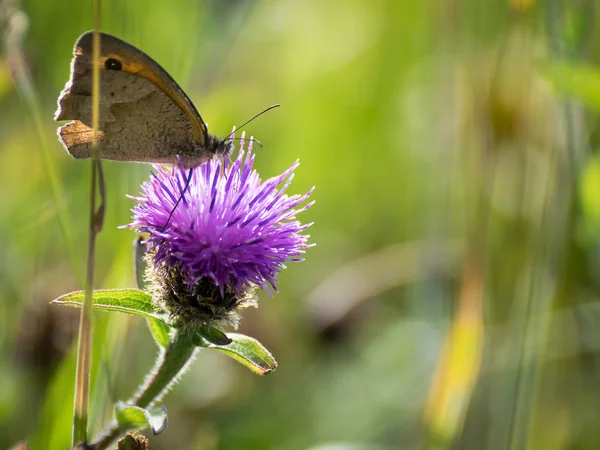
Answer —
84 346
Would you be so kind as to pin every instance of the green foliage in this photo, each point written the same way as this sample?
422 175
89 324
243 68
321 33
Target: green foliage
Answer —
580 81
160 331
211 336
136 418
127 301
244 349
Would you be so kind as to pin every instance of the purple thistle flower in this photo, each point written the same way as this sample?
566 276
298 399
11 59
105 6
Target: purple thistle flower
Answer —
231 228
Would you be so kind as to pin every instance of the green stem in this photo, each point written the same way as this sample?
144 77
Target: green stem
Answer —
169 366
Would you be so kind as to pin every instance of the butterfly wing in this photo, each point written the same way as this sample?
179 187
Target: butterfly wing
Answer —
144 115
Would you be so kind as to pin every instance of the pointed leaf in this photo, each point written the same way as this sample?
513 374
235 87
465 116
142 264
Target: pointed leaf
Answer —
135 418
160 331
247 351
128 301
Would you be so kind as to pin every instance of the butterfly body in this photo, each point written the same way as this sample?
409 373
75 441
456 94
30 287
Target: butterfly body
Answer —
144 115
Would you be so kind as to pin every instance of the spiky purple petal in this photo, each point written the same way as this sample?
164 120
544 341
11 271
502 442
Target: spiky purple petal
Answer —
231 227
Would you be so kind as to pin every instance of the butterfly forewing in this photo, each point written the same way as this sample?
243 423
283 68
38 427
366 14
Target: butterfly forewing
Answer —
144 115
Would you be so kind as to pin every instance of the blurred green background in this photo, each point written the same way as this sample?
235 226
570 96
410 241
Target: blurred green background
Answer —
452 300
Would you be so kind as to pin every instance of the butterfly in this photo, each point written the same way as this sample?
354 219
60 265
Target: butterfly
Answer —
145 116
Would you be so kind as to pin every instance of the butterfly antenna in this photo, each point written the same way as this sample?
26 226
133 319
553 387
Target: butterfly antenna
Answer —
187 184
277 105
230 138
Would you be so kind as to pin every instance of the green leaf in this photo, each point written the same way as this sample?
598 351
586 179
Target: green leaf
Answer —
577 80
128 301
160 331
134 418
247 351
212 336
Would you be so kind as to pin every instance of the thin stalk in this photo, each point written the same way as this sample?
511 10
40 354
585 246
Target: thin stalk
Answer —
84 345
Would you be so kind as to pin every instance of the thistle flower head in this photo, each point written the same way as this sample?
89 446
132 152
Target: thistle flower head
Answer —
230 233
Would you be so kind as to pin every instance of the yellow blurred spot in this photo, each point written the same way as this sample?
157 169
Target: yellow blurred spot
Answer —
521 5
460 361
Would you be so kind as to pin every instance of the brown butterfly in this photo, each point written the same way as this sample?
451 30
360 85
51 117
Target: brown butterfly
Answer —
144 114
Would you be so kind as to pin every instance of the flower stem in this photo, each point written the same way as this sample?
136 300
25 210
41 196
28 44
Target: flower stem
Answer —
169 366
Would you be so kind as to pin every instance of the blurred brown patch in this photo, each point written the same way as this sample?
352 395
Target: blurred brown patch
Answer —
134 442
